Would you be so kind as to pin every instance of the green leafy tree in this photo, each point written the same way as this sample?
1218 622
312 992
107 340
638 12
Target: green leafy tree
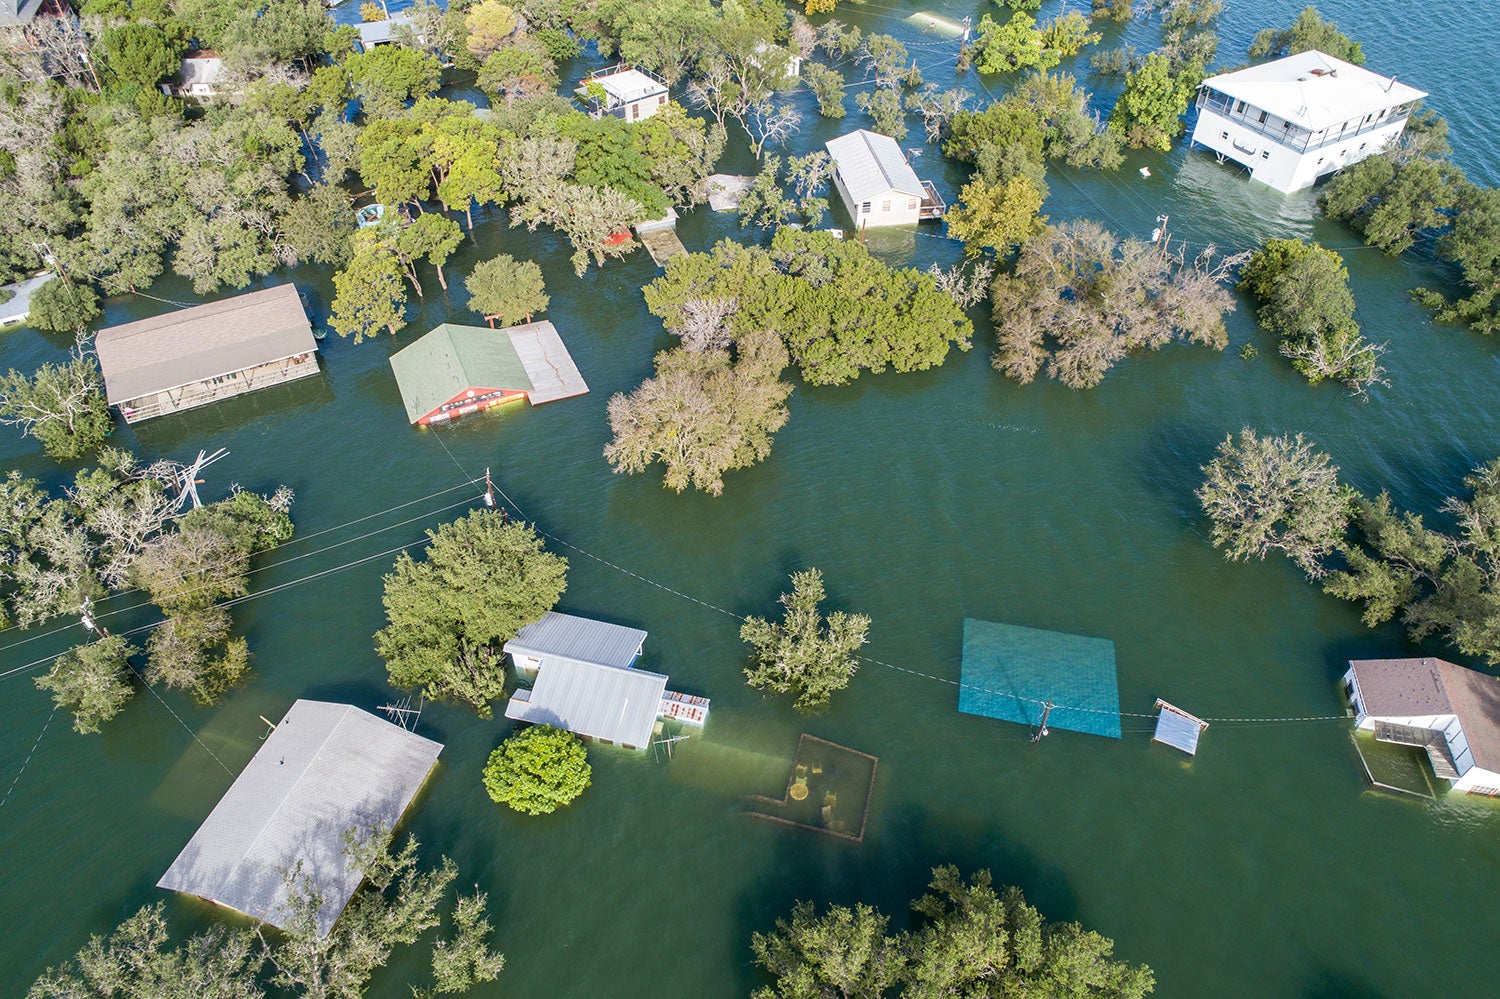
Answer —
448 616
886 110
368 294
1265 494
1474 245
538 771
844 952
703 413
140 53
803 653
827 85
431 237
465 959
1308 31
92 681
1150 111
998 216
63 307
388 76
1302 295
491 25
506 289
1046 116
517 71
1392 201
61 405
764 204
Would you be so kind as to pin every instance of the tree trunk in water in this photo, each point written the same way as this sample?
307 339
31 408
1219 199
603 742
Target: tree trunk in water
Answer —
441 280
469 214
411 275
491 320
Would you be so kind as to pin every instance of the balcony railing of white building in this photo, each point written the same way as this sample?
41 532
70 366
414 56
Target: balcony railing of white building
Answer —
1290 135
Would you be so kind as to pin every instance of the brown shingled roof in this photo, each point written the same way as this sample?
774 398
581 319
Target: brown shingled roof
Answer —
1406 687
192 345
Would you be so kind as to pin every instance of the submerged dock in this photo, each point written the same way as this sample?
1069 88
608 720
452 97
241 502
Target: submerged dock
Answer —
662 244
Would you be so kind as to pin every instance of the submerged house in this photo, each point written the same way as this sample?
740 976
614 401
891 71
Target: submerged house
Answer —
877 184
326 770
191 357
1296 119
1451 712
623 92
454 370
585 681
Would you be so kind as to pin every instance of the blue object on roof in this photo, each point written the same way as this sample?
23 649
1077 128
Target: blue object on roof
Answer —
1010 672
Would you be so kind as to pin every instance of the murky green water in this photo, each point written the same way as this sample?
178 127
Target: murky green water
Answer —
1261 868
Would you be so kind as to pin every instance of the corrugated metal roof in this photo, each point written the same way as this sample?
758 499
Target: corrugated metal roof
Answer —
193 345
450 359
580 638
547 362
602 702
625 85
326 769
872 164
382 31
1314 89
1177 728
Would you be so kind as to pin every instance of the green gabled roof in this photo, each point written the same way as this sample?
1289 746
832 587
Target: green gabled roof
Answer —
452 358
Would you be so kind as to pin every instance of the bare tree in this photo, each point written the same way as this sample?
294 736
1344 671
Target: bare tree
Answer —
937 108
704 323
770 124
967 282
1352 360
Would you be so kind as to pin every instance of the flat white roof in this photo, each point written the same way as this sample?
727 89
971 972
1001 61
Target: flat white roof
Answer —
627 85
1314 90
871 164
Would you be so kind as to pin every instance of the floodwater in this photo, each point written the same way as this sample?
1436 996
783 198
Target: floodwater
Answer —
1262 868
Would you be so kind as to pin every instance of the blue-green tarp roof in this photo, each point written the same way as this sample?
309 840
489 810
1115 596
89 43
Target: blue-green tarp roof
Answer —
1011 672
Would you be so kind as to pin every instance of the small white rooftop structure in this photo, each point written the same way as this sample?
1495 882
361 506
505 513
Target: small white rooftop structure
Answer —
878 185
1293 120
1178 729
199 76
382 32
627 92
326 770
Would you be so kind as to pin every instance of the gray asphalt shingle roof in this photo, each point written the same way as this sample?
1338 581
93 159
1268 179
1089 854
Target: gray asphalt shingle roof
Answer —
326 769
870 164
193 345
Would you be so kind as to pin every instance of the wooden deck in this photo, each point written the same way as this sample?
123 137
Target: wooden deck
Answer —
662 244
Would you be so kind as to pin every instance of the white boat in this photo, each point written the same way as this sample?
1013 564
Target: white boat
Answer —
369 215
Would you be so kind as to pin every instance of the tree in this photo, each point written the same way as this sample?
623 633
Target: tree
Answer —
885 108
827 85
802 654
368 293
702 414
1391 201
92 681
971 941
1265 494
1308 31
506 289
448 616
61 405
1474 244
490 26
996 217
1302 295
1079 301
61 306
1150 111
141 53
387 76
135 962
465 959
844 952
517 71
538 771
431 237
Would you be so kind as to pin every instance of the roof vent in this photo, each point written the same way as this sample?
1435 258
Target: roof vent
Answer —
1319 72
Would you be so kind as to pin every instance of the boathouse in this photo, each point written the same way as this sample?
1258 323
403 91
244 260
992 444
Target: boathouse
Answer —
191 357
1296 119
373 34
1451 712
877 184
585 681
623 92
325 771
454 370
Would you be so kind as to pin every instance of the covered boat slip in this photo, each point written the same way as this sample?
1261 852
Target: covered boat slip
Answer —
327 770
1026 675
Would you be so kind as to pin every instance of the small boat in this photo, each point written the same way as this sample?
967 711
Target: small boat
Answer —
369 215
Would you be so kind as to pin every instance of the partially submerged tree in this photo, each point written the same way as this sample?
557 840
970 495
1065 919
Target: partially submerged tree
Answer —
804 653
61 306
1308 31
1149 113
1265 494
93 681
538 771
61 405
506 289
996 217
448 616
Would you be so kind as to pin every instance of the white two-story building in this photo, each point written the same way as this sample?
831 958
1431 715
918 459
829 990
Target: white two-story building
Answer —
1451 712
1296 119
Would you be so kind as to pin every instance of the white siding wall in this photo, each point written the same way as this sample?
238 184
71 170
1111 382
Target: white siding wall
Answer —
1278 165
890 208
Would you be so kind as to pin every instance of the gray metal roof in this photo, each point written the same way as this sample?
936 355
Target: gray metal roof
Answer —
871 164
381 32
326 769
206 341
579 638
601 702
1178 729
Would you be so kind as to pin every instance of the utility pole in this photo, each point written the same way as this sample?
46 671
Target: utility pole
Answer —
84 52
1046 710
86 614
1160 237
963 42
489 490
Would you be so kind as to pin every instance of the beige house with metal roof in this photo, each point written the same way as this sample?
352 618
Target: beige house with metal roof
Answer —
877 184
325 770
196 356
1451 712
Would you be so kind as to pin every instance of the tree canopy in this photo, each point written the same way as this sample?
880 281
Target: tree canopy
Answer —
93 681
970 940
484 577
538 771
804 653
61 405
1308 31
506 289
